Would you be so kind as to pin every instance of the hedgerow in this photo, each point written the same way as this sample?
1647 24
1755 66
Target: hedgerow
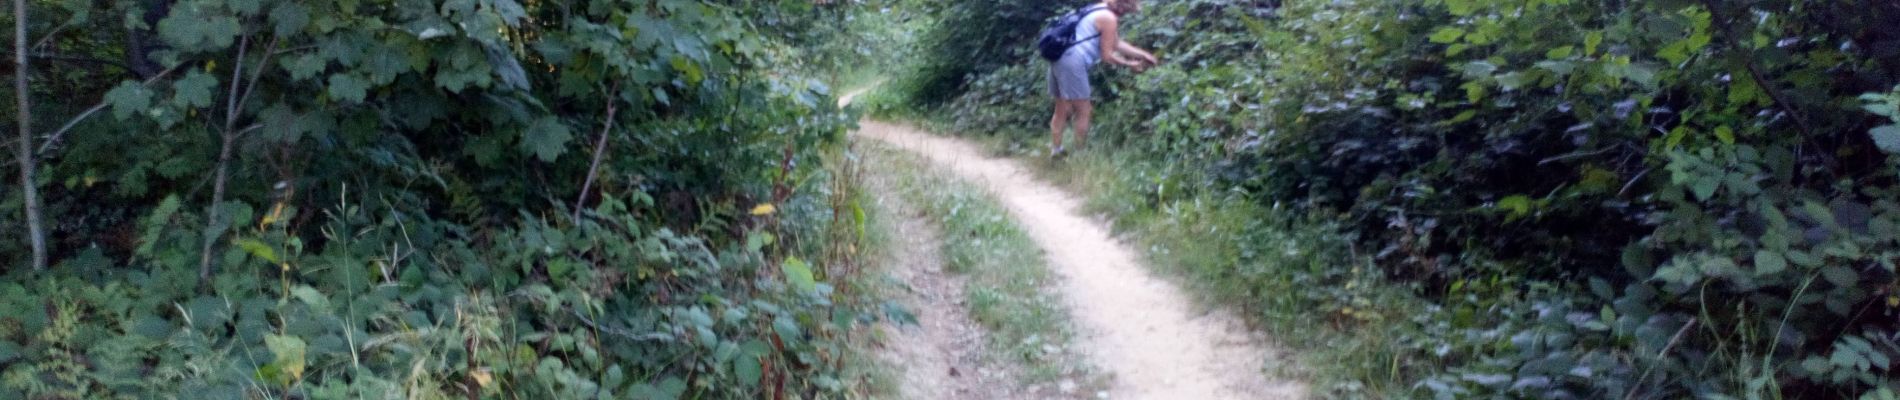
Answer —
1659 199
454 199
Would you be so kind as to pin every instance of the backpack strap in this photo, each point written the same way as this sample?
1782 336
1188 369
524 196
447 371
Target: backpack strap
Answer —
1085 11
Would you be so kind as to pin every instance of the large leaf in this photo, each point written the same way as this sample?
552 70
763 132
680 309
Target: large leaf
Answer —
799 275
195 26
546 138
194 90
129 98
1887 137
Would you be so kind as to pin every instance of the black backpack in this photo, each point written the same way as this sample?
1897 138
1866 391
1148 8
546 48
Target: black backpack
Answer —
1060 35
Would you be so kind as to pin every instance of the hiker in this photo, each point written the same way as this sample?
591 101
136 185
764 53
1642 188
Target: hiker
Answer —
1097 38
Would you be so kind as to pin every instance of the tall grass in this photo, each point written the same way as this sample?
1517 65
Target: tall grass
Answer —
1296 277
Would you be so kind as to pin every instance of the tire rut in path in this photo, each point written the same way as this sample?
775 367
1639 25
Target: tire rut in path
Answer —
1141 329
941 355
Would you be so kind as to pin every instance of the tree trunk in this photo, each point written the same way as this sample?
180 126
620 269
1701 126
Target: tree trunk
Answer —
214 216
35 233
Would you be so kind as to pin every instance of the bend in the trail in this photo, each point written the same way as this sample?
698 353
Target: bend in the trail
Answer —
1141 328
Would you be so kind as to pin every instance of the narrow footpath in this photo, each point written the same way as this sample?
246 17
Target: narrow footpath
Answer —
1141 329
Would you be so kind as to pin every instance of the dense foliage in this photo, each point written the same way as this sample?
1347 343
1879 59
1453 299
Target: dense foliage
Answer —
433 199
1661 199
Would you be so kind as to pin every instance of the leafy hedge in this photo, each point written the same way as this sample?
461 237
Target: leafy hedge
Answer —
1658 199
469 198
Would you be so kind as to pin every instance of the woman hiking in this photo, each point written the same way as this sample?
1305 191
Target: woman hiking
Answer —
1098 38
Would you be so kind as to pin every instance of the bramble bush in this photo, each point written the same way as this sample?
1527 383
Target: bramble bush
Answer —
439 199
1660 199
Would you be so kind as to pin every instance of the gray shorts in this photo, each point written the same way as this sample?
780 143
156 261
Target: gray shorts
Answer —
1069 78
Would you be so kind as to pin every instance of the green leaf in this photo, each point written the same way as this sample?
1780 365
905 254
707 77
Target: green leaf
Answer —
1675 137
1447 35
688 67
1704 187
1804 258
193 26
1477 69
245 7
799 275
1840 275
1745 91
1518 205
1816 365
1725 134
546 138
129 98
289 351
756 241
787 330
289 18
1887 137
748 369
1560 52
194 90
258 249
1456 49
348 88
310 296
1512 80
303 66
558 269
1460 7
1768 263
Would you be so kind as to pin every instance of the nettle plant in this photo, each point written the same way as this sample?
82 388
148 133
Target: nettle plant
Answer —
427 199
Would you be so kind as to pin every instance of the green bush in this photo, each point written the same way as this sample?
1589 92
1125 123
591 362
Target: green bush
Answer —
495 199
1632 200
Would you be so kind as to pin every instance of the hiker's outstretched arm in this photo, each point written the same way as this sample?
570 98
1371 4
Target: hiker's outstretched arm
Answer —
1112 40
1137 51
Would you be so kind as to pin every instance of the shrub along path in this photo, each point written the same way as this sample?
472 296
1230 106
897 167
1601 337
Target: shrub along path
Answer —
1136 326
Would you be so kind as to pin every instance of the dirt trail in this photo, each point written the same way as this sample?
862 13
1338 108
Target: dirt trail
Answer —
1138 327
942 355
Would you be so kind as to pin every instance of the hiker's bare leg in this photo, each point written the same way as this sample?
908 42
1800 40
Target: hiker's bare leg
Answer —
1083 110
1057 123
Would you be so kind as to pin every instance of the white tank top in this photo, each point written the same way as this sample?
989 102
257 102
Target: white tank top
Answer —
1091 50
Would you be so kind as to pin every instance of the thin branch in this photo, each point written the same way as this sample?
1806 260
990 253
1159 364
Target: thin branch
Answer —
257 72
1754 72
1673 340
215 215
600 152
1579 154
237 76
1632 182
53 138
50 35
294 49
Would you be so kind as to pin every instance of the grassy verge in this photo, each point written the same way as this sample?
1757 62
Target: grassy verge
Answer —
857 238
1296 277
1005 271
